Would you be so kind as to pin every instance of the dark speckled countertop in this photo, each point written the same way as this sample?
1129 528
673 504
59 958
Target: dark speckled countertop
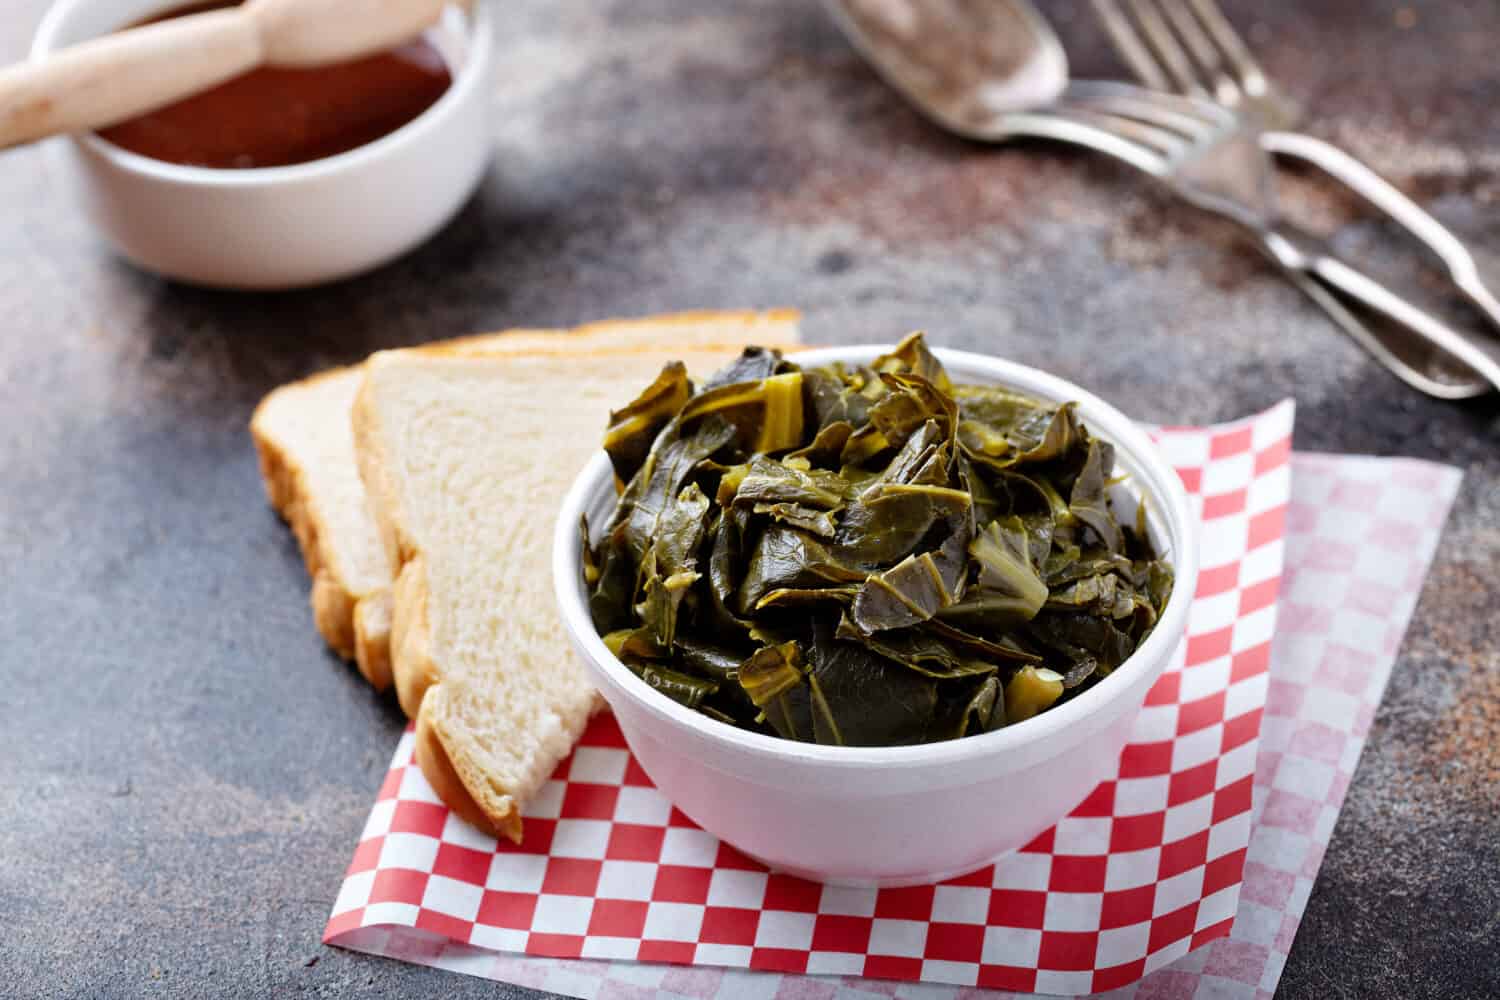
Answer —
186 770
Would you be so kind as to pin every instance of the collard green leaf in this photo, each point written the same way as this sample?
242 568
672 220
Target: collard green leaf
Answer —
591 568
1042 520
753 365
834 396
681 531
1097 594
866 555
1004 561
912 357
633 430
1070 564
768 677
788 597
1089 501
818 523
1159 581
635 645
918 650
1062 435
921 585
923 457
984 710
985 443
910 403
1005 649
767 414
785 558
660 598
1032 431
890 521
767 481
893 512
989 503
1081 670
1007 590
671 565
666 471
771 672
1075 635
614 589
681 688
726 564
873 702
825 727
1064 565
707 659
826 446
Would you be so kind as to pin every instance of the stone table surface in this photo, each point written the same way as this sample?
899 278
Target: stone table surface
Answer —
186 770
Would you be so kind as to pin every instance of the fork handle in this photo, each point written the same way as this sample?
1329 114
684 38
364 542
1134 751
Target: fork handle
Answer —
1327 279
1386 197
1396 352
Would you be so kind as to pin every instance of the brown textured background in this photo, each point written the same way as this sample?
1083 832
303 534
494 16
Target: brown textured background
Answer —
186 770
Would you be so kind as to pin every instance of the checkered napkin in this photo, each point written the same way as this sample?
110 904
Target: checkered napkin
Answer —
1153 864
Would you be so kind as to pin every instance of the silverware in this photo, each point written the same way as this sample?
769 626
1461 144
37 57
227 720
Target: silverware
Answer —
1190 47
993 70
1213 159
959 62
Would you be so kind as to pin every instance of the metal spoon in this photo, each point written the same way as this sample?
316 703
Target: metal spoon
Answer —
962 63
989 69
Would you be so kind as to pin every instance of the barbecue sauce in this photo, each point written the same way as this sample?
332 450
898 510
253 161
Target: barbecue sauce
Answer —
273 117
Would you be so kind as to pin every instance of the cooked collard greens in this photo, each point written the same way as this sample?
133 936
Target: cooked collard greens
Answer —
865 556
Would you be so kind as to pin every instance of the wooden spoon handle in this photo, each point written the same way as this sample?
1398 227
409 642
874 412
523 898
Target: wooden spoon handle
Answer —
116 77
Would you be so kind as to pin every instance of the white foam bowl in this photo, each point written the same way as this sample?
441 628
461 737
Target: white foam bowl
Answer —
280 227
896 815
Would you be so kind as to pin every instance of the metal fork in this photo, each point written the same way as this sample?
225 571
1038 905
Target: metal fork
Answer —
1213 159
1189 47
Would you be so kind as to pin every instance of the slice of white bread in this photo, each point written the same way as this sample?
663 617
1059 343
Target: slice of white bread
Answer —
302 434
466 461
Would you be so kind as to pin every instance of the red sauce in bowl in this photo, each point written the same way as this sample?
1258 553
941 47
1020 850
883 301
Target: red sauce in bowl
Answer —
279 117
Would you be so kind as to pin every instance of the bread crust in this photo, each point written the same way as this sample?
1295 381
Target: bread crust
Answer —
286 488
372 638
411 664
500 820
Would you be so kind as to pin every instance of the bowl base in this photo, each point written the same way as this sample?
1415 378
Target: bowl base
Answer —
888 882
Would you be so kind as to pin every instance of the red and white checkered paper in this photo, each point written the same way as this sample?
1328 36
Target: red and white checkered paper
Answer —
1149 867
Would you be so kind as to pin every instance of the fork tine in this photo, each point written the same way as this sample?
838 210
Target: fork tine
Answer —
1206 109
1157 142
1251 78
1092 131
1182 116
1209 57
1130 46
1168 49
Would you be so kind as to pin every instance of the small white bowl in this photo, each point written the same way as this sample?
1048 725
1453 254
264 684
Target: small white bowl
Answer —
281 227
896 815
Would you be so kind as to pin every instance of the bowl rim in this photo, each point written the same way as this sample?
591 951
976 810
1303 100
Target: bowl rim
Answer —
469 78
1162 487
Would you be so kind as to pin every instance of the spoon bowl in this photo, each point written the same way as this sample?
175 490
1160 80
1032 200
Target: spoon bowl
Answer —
962 63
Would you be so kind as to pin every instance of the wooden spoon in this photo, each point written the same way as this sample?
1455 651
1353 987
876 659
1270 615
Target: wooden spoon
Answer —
119 76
